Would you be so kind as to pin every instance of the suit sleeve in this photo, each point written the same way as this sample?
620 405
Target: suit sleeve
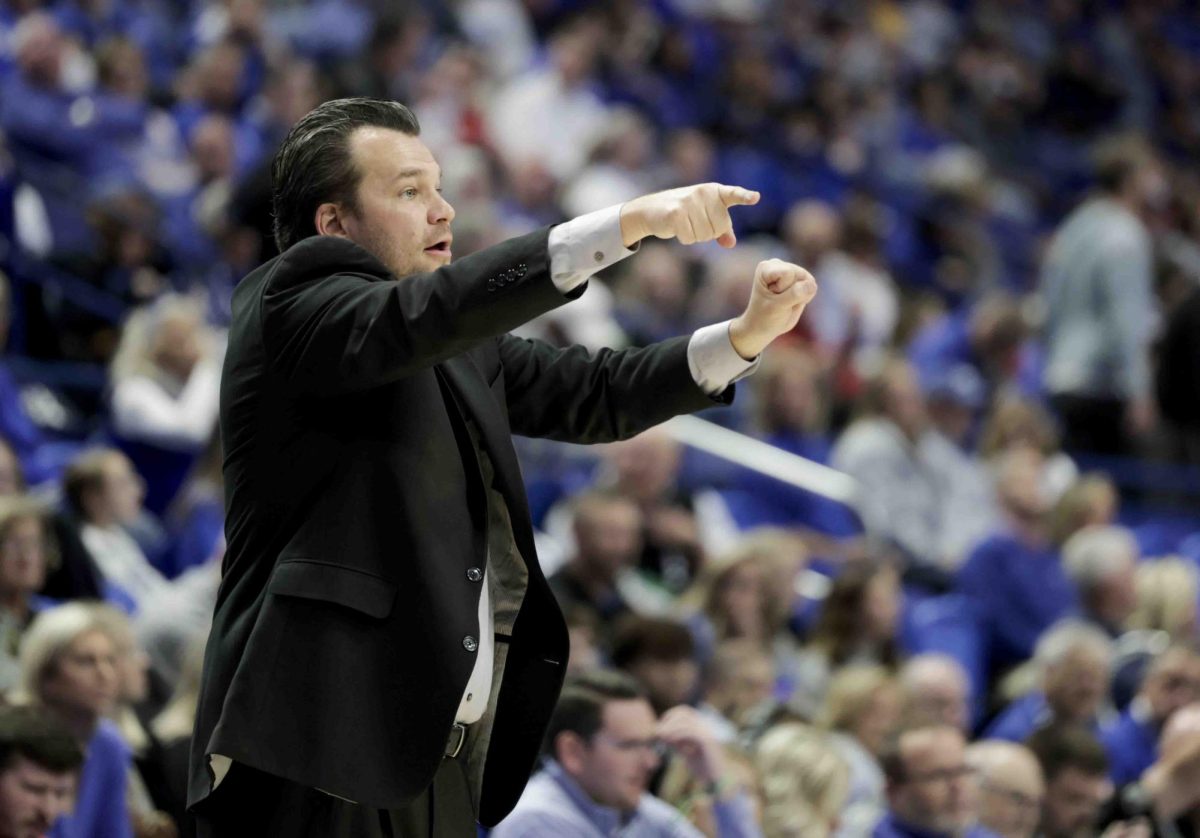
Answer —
569 395
334 321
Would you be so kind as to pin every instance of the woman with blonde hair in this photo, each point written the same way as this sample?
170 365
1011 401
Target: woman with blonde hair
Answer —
166 377
804 782
1167 591
69 668
862 712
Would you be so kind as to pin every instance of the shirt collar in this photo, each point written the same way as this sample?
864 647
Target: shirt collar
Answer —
604 818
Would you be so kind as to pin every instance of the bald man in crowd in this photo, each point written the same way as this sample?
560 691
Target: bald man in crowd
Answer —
935 690
1011 787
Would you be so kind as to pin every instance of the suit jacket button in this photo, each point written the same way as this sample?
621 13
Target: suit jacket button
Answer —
470 643
474 574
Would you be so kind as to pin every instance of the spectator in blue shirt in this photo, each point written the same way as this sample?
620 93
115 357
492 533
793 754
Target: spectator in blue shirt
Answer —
603 746
1131 741
929 787
987 337
1013 578
69 667
1074 662
39 770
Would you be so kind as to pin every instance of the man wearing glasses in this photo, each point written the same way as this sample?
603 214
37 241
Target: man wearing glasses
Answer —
932 792
603 747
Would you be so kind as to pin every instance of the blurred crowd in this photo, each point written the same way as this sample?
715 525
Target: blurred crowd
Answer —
1001 204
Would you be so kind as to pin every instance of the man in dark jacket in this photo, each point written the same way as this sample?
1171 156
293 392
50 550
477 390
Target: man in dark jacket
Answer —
385 652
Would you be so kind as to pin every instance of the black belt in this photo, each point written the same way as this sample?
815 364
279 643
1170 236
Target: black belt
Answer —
454 743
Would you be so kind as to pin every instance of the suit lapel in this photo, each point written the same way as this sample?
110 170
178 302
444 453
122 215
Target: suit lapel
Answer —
474 400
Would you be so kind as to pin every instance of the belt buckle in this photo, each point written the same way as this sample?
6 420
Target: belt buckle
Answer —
461 730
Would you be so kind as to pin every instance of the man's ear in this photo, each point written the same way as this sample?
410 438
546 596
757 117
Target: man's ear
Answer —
328 220
570 750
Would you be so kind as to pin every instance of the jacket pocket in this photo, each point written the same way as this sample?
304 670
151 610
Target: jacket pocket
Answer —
364 592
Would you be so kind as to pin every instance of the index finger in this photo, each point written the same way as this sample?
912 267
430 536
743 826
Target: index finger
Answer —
732 196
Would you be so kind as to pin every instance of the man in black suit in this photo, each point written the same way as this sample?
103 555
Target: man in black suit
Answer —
385 652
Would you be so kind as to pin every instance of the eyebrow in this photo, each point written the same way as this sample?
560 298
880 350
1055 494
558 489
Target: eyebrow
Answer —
412 173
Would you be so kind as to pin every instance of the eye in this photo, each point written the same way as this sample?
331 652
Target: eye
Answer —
410 192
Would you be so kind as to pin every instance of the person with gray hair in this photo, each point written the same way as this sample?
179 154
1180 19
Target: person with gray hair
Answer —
935 690
1011 787
1074 664
1102 562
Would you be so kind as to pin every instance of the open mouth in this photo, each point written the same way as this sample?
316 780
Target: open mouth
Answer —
442 247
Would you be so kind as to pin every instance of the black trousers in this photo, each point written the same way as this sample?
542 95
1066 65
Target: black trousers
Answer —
250 802
1093 425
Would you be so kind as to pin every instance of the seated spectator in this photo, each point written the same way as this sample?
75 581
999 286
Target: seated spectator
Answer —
105 494
1077 783
986 338
1011 787
652 294
660 656
25 553
1168 793
599 575
916 486
39 771
794 404
1017 422
1101 561
856 625
804 782
165 379
862 711
1172 681
1013 578
1073 661
930 787
729 600
602 747
739 682
934 690
859 306
645 469
1168 591
69 668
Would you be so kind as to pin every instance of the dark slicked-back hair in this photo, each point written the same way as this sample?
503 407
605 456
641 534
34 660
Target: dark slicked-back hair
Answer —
28 732
581 705
314 165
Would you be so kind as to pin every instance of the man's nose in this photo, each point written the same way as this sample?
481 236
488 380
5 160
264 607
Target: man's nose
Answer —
441 212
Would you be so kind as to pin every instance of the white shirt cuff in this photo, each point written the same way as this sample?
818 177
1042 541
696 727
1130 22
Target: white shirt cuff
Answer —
714 363
584 246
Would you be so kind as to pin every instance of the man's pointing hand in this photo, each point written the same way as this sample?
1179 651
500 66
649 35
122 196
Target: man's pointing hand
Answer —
690 213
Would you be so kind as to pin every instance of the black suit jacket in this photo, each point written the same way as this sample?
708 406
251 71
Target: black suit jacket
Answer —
355 508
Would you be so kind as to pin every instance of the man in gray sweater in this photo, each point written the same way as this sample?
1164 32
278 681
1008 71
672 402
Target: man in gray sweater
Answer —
1100 309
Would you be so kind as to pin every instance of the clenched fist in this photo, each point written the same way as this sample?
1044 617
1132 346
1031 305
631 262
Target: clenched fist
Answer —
690 213
781 291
